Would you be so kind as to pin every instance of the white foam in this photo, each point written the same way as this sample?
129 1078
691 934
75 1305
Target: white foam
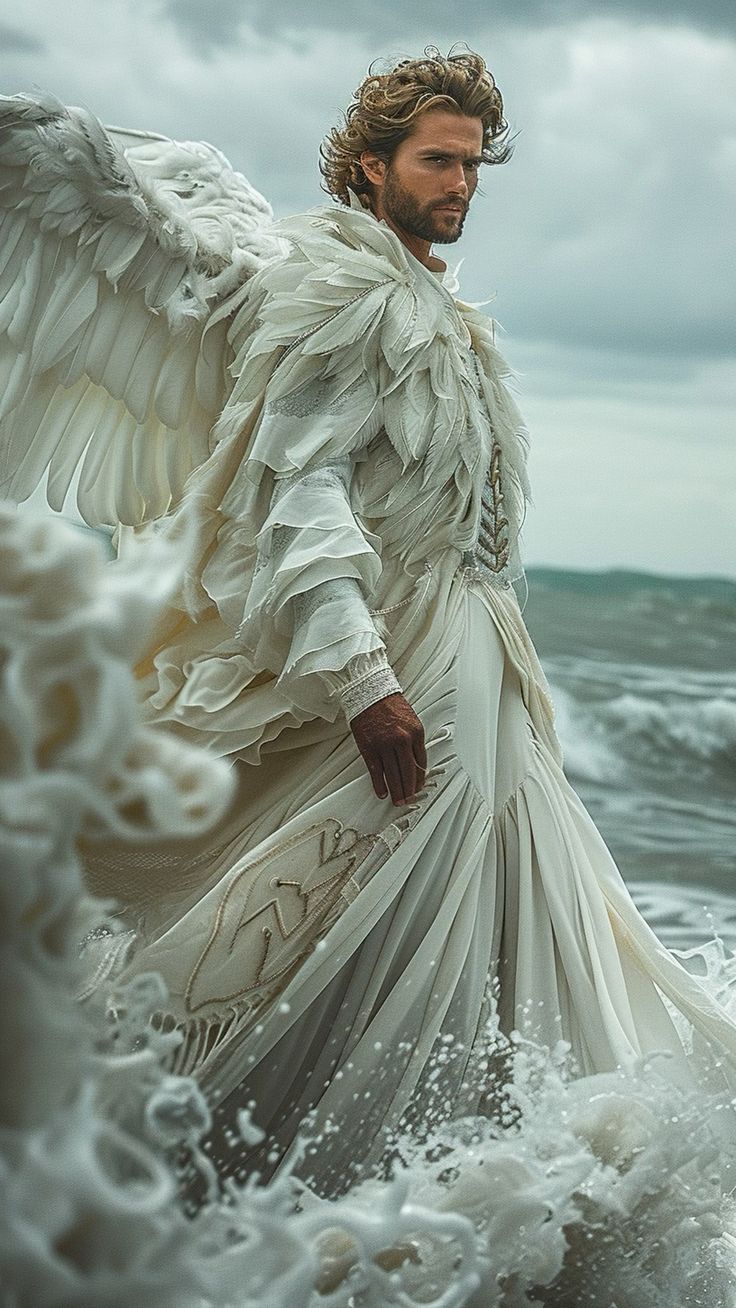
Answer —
703 729
610 1188
602 734
589 754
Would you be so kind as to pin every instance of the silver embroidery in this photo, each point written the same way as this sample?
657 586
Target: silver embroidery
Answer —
314 396
368 690
272 912
490 554
333 473
281 539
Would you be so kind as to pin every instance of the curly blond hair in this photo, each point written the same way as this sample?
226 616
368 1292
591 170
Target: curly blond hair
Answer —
386 105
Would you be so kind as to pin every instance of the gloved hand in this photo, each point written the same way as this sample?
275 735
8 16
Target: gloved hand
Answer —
390 737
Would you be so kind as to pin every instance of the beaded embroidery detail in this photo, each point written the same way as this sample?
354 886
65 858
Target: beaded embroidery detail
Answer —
368 690
492 548
315 396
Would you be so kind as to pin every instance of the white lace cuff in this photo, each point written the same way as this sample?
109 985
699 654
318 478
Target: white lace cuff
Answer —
364 681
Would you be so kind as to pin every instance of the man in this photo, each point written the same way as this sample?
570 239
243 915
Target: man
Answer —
350 606
422 193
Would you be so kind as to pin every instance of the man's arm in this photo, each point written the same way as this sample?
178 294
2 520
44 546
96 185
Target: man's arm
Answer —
323 333
386 729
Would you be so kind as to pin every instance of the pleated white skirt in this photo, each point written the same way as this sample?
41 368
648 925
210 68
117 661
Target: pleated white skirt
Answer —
331 958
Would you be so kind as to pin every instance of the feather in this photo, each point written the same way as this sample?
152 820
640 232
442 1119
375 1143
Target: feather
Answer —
76 219
174 394
141 383
401 312
55 257
178 466
69 451
342 330
28 458
76 363
144 268
115 247
31 280
149 468
127 502
109 322
94 501
52 431
70 306
11 280
63 198
209 375
161 288
11 232
128 342
15 373
199 447
69 224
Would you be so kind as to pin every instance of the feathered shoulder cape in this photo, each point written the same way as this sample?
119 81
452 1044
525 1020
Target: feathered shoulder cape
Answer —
350 325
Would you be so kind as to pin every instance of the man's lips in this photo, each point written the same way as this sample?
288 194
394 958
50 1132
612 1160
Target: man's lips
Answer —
450 208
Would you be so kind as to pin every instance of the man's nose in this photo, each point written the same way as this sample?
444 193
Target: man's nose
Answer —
458 182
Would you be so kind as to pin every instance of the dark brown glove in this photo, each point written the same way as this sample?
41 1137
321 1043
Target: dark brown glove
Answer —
390 737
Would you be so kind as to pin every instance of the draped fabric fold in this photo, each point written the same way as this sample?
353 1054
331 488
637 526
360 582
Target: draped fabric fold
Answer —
324 932
304 612
324 945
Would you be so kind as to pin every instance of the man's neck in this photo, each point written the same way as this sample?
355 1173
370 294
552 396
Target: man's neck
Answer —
422 250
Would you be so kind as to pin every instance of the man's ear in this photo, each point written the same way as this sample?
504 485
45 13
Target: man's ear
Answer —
374 167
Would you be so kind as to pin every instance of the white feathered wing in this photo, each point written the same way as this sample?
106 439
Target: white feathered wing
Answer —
121 259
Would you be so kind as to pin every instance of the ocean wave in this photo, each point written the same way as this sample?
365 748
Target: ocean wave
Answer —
673 605
589 755
600 736
680 914
701 729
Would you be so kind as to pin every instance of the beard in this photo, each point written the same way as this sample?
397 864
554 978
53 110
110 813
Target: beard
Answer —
422 220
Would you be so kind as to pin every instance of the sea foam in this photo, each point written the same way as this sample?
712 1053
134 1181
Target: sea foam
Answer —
607 1190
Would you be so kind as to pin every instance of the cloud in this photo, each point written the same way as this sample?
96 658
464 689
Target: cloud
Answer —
626 478
609 225
629 459
611 222
604 239
12 38
212 27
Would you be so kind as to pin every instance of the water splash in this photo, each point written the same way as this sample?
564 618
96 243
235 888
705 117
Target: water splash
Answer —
608 1190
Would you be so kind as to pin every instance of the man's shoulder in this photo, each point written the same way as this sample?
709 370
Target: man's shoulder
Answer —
345 287
347 238
330 289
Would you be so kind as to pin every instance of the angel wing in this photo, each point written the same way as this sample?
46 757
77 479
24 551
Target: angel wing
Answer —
121 257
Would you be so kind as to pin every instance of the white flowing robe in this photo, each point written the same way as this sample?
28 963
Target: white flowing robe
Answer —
323 944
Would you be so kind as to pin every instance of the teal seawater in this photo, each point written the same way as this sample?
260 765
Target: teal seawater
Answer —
642 670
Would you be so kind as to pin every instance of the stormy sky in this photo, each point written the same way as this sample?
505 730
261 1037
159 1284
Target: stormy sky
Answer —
605 246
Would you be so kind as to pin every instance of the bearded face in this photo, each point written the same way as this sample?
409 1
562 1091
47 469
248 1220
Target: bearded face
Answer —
425 190
440 222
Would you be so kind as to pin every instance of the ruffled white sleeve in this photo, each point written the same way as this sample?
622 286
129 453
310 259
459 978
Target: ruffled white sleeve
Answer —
306 614
310 342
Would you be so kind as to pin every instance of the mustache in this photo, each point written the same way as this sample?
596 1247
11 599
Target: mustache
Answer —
453 204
